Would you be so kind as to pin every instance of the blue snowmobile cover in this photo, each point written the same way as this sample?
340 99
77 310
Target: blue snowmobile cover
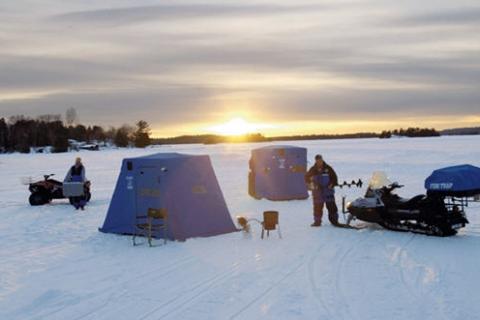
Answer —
459 181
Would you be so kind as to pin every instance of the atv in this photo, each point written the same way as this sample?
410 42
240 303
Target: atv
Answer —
440 212
44 191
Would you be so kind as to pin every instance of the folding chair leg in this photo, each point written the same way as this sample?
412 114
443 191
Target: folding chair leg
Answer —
263 231
150 236
279 232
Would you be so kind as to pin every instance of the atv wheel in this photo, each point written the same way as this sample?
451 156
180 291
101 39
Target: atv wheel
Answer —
38 199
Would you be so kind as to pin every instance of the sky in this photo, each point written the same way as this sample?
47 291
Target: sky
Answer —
282 67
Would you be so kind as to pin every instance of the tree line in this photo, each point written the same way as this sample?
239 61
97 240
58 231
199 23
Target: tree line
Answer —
21 134
257 137
461 131
410 132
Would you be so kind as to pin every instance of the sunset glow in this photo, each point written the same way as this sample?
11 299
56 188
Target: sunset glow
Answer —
238 126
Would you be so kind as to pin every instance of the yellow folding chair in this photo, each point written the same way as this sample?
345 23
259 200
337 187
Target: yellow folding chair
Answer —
151 224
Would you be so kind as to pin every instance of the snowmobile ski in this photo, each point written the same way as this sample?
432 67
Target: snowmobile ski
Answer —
347 226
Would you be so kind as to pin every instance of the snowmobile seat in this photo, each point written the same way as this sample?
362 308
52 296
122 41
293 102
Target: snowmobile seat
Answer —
409 204
56 182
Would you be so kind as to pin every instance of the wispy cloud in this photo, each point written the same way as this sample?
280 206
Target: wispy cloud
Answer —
183 11
453 16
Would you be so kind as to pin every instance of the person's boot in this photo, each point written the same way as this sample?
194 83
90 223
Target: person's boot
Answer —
82 207
334 221
316 224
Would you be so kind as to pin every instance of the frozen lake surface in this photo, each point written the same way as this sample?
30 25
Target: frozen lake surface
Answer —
56 265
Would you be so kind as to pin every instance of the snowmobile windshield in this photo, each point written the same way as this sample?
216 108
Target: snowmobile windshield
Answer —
379 179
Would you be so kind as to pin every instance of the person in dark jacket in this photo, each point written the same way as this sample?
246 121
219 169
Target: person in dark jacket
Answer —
77 174
322 180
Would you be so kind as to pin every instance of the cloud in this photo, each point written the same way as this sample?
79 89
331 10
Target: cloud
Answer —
447 71
157 105
30 72
456 16
183 11
374 104
187 62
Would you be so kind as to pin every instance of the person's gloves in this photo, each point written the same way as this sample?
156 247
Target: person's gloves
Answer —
310 186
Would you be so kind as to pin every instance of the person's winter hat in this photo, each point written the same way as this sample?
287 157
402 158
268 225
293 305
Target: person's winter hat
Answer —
318 157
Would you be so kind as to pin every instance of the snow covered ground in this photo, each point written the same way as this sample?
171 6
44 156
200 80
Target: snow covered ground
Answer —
56 265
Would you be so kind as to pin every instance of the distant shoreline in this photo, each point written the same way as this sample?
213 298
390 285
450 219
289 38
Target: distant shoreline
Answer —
257 138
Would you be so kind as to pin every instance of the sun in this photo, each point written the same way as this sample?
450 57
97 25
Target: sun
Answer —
235 127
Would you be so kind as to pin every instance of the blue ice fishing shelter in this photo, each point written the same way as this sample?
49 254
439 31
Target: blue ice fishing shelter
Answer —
277 173
461 181
185 185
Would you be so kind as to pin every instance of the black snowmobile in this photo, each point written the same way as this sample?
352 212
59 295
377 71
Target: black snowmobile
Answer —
43 191
441 212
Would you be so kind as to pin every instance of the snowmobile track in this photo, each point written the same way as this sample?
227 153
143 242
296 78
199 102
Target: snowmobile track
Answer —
201 289
11 204
338 293
414 293
313 287
185 297
268 290
341 266
402 270
118 286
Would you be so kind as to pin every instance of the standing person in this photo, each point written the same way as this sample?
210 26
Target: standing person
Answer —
322 179
77 174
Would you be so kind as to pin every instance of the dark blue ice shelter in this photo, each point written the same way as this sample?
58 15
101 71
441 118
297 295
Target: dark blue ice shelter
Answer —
185 185
277 173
